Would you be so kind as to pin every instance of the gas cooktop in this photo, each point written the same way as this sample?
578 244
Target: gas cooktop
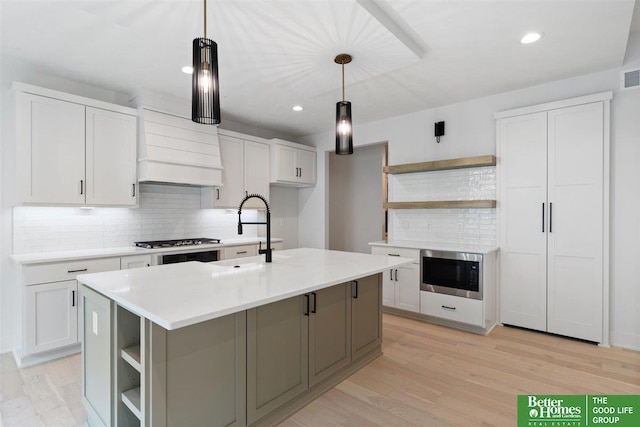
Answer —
157 244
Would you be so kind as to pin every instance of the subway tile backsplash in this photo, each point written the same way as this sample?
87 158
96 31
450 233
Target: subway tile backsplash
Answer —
165 212
465 226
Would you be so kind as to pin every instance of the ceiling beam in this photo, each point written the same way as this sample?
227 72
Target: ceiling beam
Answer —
392 21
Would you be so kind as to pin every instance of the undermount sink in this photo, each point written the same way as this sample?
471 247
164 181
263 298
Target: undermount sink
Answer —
246 263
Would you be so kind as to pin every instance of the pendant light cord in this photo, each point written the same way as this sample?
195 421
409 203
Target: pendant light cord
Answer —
342 79
205 19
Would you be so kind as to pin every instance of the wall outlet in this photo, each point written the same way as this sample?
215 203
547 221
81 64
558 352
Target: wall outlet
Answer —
95 322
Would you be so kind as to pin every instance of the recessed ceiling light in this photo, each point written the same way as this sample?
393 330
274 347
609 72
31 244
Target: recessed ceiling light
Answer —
187 69
297 108
530 38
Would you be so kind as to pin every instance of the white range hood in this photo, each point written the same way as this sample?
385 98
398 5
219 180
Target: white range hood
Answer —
173 149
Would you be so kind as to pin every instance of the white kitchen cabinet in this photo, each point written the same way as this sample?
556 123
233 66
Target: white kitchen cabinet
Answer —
135 261
292 164
401 286
73 150
553 217
246 171
239 251
111 158
49 300
51 144
51 316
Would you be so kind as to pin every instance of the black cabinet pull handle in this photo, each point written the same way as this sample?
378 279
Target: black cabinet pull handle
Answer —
315 302
76 271
356 295
448 308
73 298
396 274
241 252
134 191
391 274
543 217
217 194
81 186
306 313
300 172
550 217
394 254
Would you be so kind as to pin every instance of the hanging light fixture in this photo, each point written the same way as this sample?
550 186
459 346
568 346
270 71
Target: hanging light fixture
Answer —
205 96
344 128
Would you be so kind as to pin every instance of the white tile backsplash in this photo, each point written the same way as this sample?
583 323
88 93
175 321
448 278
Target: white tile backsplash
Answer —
466 226
165 212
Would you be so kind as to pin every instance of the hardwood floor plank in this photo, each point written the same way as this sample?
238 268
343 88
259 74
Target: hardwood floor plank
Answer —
429 375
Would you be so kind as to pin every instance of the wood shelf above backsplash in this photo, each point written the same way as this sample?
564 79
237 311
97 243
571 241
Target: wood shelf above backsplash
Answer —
461 163
442 204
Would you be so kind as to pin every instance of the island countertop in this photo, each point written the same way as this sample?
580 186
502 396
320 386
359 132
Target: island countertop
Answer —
178 295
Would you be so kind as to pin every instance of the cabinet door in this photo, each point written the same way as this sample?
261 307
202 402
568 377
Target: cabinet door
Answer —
286 163
366 316
135 261
256 172
97 340
329 331
51 316
111 158
50 137
307 165
522 145
407 291
231 192
575 234
389 288
277 355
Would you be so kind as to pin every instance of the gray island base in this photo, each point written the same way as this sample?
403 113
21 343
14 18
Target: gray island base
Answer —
255 366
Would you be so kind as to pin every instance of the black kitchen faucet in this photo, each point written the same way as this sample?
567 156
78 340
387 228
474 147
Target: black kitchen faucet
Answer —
267 251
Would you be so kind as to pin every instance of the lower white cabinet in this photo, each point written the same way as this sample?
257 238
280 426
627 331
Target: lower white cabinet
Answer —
450 307
239 251
135 261
51 314
401 286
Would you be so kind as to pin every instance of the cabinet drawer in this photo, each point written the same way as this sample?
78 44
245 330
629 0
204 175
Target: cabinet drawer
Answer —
450 307
391 251
68 270
240 251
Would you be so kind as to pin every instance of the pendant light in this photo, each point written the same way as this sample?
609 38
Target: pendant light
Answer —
344 128
205 96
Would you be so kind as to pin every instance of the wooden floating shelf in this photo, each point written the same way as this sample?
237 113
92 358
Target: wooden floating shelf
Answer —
438 165
442 204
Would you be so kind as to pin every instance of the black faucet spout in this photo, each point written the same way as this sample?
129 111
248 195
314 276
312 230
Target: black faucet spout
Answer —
267 251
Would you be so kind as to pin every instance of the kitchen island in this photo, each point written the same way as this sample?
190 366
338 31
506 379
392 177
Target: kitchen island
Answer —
233 343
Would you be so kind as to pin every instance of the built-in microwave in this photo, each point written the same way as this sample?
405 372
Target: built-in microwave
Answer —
452 273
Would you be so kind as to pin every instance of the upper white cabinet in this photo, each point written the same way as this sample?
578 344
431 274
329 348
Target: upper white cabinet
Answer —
70 153
292 164
245 171
553 216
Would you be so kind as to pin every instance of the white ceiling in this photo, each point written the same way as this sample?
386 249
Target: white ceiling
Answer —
274 54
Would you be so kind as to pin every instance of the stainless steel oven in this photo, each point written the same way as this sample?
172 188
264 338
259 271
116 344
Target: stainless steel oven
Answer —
452 273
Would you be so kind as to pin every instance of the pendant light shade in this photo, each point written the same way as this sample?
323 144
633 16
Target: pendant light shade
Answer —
205 91
344 138
344 125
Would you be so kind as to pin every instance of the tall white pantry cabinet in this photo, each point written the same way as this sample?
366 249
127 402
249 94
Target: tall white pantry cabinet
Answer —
553 207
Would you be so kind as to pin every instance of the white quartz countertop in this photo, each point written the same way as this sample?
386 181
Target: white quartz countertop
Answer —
179 295
450 247
44 257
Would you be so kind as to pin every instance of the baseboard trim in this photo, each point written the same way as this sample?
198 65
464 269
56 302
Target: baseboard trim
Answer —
438 321
36 359
625 340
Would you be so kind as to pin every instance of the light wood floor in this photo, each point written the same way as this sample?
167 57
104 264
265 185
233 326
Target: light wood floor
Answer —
428 376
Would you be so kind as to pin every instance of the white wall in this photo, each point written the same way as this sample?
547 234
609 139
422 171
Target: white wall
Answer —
355 209
283 202
470 131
